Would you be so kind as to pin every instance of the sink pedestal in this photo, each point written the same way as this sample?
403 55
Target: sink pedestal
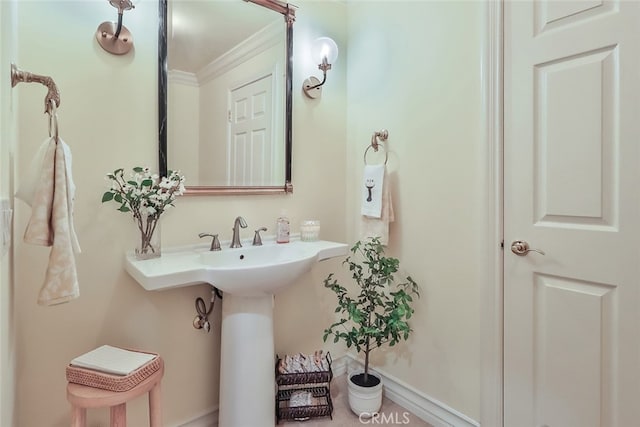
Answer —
247 362
249 277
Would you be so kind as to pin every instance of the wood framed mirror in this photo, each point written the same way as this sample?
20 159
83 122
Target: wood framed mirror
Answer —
225 108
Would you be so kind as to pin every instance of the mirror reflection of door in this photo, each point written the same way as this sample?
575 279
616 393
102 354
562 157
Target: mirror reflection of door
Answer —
214 47
250 144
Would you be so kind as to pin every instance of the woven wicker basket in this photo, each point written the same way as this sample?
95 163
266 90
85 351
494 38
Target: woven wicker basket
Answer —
305 377
103 380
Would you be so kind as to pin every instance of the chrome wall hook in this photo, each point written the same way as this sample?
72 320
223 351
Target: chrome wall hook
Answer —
383 135
53 94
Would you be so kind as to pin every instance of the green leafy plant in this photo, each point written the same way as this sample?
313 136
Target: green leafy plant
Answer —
380 311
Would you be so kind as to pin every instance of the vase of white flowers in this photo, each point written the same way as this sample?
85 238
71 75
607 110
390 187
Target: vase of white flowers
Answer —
146 196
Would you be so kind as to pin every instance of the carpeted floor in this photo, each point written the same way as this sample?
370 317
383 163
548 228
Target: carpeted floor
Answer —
391 413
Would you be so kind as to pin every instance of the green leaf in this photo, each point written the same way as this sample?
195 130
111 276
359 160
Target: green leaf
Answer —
118 198
146 183
138 169
377 314
106 197
124 208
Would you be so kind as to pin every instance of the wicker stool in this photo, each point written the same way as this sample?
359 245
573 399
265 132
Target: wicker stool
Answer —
82 397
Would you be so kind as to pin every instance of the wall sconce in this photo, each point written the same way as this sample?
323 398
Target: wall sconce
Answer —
114 37
325 52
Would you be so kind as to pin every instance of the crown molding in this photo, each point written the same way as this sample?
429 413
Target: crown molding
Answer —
259 42
182 77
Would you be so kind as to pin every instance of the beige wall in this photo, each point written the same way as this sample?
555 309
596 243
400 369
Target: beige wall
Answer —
184 127
416 72
7 147
108 117
402 76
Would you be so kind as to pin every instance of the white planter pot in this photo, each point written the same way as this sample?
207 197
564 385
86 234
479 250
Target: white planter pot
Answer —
364 401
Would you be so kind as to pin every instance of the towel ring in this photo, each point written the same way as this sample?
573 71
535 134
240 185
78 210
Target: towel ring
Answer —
53 120
375 144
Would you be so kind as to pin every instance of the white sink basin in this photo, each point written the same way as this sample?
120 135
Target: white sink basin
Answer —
246 271
259 269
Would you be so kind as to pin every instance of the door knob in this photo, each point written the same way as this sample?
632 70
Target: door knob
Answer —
521 248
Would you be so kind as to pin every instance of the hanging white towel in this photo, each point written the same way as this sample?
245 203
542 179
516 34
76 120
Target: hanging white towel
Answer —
372 190
379 227
29 184
51 223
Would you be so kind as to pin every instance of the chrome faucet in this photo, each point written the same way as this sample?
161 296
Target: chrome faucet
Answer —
215 243
235 241
257 240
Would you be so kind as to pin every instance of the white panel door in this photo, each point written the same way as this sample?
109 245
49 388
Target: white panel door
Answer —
251 151
572 190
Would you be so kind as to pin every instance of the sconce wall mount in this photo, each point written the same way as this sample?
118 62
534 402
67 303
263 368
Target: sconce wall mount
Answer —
114 37
325 53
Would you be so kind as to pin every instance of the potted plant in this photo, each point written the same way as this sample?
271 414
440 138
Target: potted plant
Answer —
377 315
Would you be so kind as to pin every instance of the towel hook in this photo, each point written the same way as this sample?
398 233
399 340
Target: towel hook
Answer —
375 144
383 135
53 120
53 95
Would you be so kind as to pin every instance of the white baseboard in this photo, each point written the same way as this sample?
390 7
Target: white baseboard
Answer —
208 419
422 406
339 365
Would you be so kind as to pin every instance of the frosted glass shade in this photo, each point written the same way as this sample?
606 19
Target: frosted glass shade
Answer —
324 47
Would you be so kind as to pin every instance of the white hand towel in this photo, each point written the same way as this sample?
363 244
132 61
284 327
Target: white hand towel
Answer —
372 190
29 184
51 224
113 360
379 227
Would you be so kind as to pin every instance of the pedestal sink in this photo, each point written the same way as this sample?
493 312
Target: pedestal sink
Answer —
249 278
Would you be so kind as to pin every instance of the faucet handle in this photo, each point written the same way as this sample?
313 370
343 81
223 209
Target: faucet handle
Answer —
257 240
215 243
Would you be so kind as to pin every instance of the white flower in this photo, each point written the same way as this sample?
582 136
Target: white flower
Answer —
146 196
137 196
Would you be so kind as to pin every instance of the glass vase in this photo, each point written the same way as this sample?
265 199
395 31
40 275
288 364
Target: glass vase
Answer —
147 237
